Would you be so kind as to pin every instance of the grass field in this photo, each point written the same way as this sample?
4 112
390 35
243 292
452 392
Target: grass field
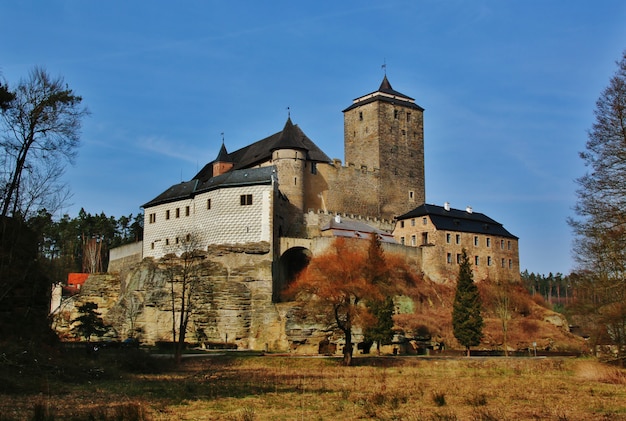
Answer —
130 385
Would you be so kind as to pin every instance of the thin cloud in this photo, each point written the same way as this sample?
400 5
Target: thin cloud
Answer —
171 148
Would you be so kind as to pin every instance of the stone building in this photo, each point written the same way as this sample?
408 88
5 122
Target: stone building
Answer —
272 187
443 232
260 212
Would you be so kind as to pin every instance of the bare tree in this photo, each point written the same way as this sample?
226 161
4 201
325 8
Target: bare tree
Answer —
182 270
131 307
600 245
503 311
40 131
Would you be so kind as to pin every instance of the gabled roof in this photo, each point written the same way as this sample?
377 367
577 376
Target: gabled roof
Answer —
458 220
237 178
290 137
385 93
355 229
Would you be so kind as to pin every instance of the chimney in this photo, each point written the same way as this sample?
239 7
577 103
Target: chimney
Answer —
469 209
446 206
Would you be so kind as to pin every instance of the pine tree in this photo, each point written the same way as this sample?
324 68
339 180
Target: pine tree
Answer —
382 331
89 322
467 321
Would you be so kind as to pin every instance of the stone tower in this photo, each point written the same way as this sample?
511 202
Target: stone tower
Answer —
384 133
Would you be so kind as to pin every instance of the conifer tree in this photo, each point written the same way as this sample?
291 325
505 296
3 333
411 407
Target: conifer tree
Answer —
382 331
89 322
467 321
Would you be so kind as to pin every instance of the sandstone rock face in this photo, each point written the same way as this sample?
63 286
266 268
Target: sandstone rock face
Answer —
232 301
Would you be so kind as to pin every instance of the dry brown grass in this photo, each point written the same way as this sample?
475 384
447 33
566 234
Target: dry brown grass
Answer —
386 388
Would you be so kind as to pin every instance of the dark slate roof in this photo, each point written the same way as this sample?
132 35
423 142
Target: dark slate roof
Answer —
237 178
458 220
385 93
290 137
222 156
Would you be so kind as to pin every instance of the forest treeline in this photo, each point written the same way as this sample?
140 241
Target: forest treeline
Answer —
555 289
82 243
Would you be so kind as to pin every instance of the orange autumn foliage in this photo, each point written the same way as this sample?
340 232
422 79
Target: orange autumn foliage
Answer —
337 283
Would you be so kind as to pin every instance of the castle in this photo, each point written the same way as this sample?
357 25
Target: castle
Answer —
258 213
285 186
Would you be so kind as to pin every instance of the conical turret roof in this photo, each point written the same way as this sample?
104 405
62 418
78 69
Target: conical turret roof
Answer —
223 156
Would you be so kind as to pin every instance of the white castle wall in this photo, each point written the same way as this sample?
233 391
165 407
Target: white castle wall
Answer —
225 222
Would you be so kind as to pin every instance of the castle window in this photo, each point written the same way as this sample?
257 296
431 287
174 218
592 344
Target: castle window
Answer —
395 114
476 260
295 181
413 240
502 263
425 221
177 240
402 240
188 237
458 238
403 132
502 245
152 218
186 210
476 240
313 167
424 238
152 246
510 264
401 224
448 237
178 212
167 214
245 199
413 222
449 258
408 116
488 260
412 196
458 258
360 115
488 242
208 203
167 241
508 245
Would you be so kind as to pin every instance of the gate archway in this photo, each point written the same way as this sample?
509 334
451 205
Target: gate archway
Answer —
290 264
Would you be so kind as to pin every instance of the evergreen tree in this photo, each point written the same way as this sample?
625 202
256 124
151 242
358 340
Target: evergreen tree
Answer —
467 321
382 331
89 322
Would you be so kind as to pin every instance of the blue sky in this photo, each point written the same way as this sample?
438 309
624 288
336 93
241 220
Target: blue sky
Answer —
509 89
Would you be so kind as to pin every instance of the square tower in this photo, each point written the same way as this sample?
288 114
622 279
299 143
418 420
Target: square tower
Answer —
384 133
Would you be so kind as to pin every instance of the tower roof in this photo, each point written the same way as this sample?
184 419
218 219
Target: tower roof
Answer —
387 94
290 137
222 156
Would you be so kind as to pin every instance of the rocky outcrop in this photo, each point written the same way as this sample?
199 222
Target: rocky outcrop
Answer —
231 300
